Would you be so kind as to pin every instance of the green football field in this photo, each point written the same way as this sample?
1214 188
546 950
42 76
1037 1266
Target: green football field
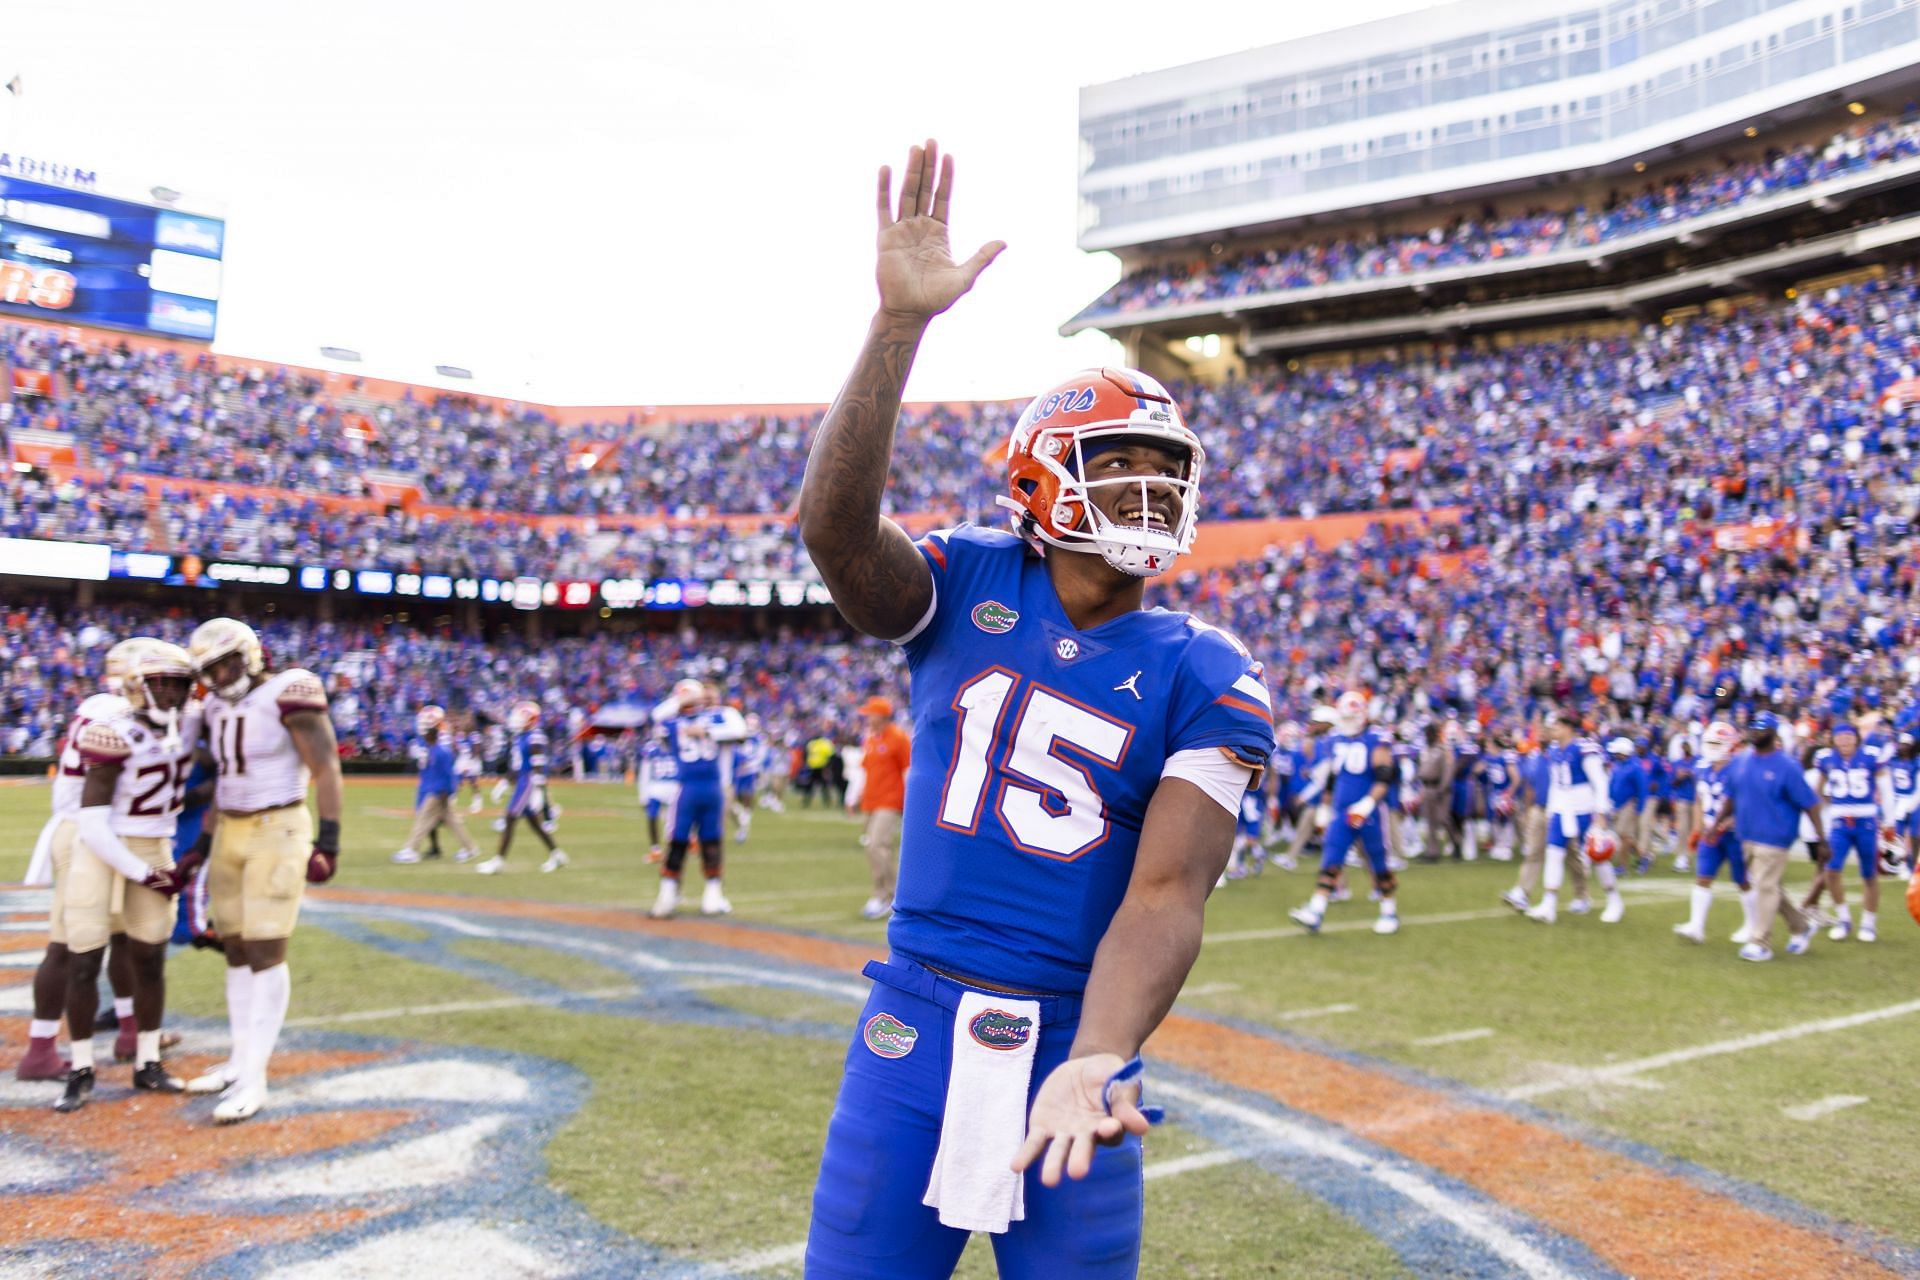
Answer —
1477 1095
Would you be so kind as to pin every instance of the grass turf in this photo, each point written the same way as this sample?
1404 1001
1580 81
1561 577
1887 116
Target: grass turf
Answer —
705 1139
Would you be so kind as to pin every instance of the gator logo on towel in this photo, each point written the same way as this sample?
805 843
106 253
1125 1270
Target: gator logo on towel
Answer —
998 1029
994 618
889 1037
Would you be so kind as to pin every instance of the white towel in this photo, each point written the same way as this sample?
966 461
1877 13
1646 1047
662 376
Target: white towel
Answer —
994 1038
40 865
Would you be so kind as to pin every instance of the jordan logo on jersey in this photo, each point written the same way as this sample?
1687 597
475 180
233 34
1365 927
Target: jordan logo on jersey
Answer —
1131 685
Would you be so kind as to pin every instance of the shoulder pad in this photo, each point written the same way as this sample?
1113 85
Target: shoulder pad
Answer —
302 691
103 744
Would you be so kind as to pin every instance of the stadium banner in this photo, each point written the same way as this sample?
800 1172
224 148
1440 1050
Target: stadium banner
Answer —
28 384
41 558
34 447
71 254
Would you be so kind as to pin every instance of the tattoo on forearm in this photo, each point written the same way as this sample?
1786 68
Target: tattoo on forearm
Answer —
876 576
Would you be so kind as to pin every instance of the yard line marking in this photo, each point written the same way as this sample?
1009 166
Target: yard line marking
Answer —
461 1006
18 960
1468 1219
1824 1107
1623 1072
787 1255
23 926
1321 1011
1456 1037
1211 989
1352 926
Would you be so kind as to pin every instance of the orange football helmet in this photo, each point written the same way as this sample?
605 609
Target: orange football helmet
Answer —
1601 846
1049 491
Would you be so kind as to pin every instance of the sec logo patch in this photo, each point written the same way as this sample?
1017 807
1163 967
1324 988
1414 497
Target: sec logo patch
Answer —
889 1037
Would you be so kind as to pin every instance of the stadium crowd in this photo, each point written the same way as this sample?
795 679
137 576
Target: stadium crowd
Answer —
1470 240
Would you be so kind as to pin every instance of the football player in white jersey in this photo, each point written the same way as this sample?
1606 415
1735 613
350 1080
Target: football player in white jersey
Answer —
118 851
43 1060
270 736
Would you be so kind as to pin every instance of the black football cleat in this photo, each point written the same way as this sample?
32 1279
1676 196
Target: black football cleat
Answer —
79 1089
153 1078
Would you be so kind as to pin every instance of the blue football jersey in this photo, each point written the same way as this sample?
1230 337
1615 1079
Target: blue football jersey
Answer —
658 761
1710 783
750 756
528 756
1352 757
1570 770
1036 749
1851 784
701 743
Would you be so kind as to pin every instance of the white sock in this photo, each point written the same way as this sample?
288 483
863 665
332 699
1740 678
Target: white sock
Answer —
43 1028
1556 870
1388 908
239 1016
1604 874
148 1047
1869 921
1746 908
1697 913
271 990
123 1007
1844 915
1318 903
82 1055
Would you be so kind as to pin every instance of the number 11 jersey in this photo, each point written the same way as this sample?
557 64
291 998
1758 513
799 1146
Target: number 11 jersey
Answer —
260 768
1036 749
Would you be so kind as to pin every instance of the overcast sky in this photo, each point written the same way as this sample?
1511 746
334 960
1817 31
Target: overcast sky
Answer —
611 203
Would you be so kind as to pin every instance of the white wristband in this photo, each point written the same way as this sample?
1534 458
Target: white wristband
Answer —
96 832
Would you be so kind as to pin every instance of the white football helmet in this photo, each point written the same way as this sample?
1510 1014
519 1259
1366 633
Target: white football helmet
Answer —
430 717
1350 712
145 660
524 715
1718 742
215 639
690 694
116 664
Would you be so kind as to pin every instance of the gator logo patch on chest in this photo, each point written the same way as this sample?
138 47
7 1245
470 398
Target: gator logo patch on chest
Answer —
994 618
889 1037
998 1029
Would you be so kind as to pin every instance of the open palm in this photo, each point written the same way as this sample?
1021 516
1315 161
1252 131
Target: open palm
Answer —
916 271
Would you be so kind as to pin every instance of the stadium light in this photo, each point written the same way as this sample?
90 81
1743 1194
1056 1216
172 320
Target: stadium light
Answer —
341 353
1857 108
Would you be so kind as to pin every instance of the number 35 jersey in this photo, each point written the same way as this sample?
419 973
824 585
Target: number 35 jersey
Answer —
260 768
1036 749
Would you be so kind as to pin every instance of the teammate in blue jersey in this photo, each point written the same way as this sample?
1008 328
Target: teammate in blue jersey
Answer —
1362 772
701 735
1856 786
1708 770
1903 778
750 757
193 922
1077 765
1463 810
527 761
1629 790
1767 795
659 784
1500 776
1291 768
1684 751
1578 806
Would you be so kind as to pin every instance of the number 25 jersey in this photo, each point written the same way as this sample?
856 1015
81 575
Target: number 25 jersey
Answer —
1036 749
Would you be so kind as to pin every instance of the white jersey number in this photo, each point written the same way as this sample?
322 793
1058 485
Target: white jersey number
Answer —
1048 803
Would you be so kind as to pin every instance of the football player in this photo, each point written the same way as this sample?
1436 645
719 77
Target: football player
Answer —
749 763
1627 788
43 1060
1577 804
1709 773
527 762
1291 767
466 769
698 733
271 738
1500 770
1858 792
1077 764
118 851
1903 774
1362 772
659 788
434 802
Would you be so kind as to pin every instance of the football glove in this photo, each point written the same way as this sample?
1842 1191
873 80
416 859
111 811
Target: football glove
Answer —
325 858
162 880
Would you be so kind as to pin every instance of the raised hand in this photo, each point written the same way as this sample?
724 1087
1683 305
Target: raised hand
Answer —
916 272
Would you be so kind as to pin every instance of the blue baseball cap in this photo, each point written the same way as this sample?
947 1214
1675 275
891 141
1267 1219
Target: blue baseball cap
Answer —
1765 722
1846 726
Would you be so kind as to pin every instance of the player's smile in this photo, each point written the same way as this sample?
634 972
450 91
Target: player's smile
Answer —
1153 505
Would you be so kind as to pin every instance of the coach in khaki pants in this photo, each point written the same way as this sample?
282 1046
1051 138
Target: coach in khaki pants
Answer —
1533 837
884 755
1767 793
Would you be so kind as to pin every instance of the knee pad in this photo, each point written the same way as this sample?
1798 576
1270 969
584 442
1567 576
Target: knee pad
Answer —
1326 881
1386 882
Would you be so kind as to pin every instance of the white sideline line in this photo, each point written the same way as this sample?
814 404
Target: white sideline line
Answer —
461 1006
1351 926
1468 1219
1319 1012
23 926
788 1255
775 899
1456 1037
1622 1072
1824 1107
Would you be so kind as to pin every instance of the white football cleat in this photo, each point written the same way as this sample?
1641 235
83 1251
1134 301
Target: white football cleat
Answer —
1306 917
1387 924
1687 933
878 908
1798 944
405 857
1579 906
492 866
667 901
1516 899
555 860
713 902
1741 936
1544 913
1867 934
1840 931
1756 952
1616 908
242 1102
466 855
217 1080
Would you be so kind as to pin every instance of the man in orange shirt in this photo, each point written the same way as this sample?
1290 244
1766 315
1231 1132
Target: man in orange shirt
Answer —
884 755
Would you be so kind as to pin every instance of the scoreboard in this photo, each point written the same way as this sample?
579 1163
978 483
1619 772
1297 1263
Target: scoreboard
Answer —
72 255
